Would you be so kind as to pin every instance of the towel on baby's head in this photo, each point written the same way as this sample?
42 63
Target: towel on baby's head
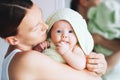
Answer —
78 24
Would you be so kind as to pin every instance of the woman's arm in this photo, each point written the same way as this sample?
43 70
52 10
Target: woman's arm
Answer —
33 65
112 60
113 45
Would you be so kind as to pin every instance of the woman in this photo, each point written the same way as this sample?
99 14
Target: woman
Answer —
82 6
22 26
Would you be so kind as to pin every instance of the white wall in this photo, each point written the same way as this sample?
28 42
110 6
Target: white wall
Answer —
118 1
67 3
49 6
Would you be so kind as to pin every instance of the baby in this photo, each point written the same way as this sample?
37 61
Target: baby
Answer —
70 40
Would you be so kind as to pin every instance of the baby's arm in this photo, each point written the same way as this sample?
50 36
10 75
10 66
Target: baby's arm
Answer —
96 63
74 57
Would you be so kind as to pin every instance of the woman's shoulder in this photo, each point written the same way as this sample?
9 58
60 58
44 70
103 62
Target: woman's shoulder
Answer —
31 59
28 63
28 57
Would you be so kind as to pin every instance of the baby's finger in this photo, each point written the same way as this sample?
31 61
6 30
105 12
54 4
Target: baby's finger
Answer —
48 44
93 61
58 44
95 66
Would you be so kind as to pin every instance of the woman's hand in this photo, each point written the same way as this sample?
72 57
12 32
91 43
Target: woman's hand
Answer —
96 63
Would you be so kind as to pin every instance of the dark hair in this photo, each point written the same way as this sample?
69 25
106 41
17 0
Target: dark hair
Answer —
74 4
11 14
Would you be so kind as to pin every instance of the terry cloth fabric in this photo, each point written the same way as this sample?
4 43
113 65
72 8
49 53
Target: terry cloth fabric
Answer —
79 25
51 52
105 20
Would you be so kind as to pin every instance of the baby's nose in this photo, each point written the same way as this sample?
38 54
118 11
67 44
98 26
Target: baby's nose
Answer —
64 36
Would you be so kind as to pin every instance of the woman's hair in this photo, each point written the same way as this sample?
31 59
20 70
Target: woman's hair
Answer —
11 14
74 4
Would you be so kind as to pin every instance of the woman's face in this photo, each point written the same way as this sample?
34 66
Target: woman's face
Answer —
62 31
90 3
94 2
32 29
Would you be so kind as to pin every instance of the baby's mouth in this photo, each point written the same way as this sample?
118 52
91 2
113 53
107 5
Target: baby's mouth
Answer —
64 41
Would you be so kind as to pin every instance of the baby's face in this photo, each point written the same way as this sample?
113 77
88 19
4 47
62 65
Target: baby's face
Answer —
62 31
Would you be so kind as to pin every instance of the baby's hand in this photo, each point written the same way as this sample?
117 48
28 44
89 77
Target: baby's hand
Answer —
62 47
96 63
42 46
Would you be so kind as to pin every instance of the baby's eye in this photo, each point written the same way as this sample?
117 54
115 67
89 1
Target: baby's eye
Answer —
70 31
59 31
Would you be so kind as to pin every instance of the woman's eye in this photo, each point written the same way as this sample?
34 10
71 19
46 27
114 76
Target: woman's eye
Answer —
70 31
58 31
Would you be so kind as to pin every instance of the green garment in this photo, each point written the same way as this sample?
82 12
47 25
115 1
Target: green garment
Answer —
51 52
105 21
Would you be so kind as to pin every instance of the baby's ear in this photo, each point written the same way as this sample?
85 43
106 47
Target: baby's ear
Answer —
11 40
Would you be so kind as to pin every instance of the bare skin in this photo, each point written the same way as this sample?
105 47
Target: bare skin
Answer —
64 39
113 45
32 65
31 72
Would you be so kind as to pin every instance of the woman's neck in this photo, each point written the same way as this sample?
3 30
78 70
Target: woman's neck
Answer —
20 47
23 47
